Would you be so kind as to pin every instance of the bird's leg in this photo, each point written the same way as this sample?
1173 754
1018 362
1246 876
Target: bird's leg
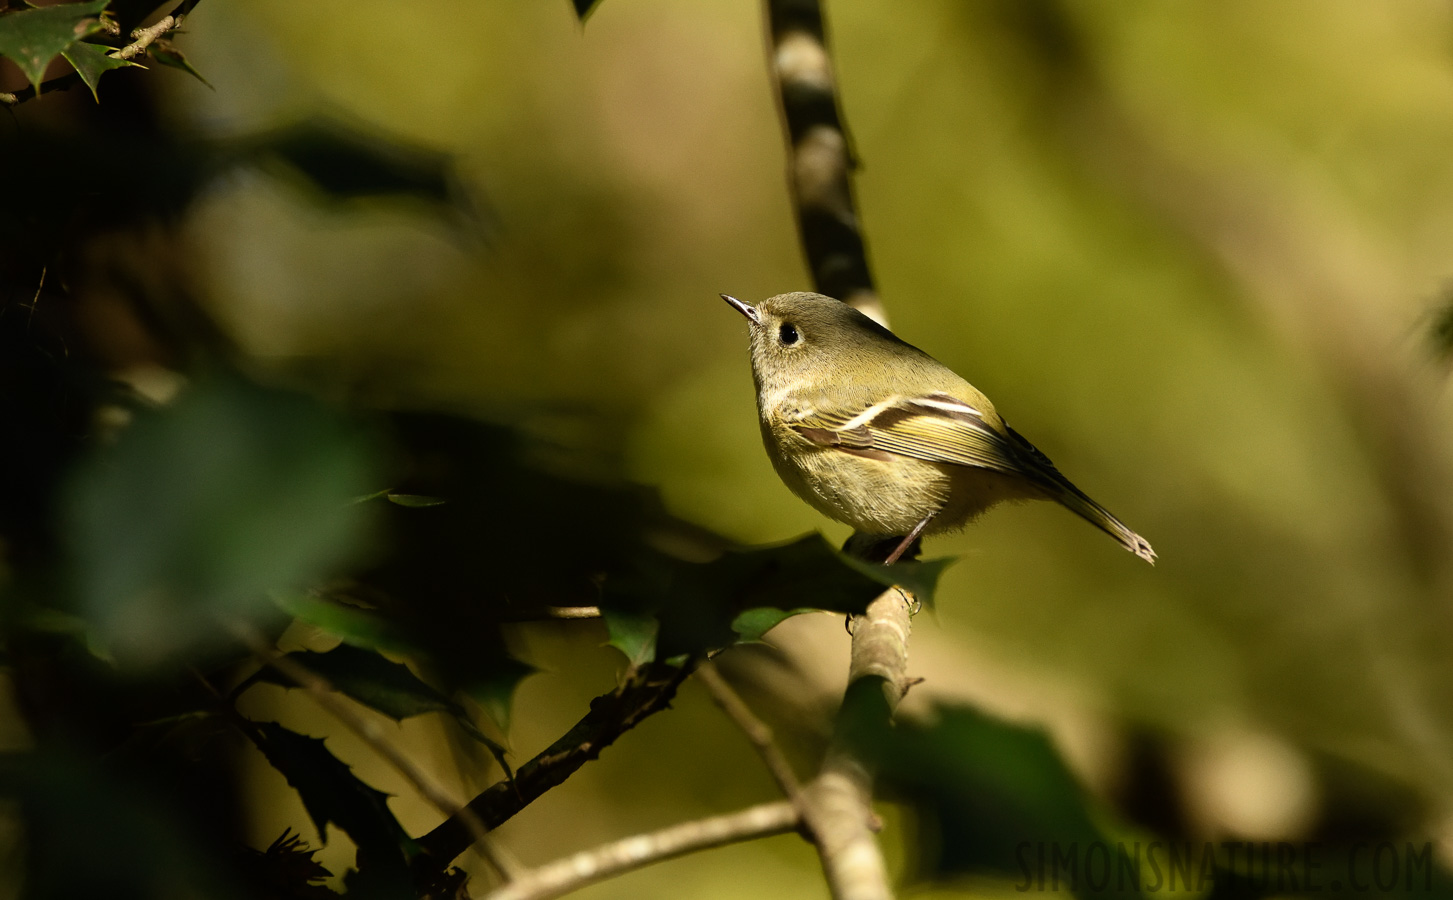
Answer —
908 541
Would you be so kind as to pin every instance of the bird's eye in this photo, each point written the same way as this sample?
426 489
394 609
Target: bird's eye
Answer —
787 334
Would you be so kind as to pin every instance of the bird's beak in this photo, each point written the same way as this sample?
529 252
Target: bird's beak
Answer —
745 309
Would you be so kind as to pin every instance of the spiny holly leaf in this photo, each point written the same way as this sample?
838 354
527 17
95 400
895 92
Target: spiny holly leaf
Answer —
380 684
166 53
34 37
632 633
493 685
204 507
332 793
743 593
752 625
91 61
353 625
987 792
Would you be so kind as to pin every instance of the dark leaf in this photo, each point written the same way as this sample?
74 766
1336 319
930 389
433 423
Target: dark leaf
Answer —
204 507
34 37
343 162
332 793
991 797
167 54
91 61
380 684
583 8
493 688
700 605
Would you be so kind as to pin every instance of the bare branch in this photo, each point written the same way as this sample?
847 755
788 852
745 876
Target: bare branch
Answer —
819 156
756 731
323 694
573 872
645 691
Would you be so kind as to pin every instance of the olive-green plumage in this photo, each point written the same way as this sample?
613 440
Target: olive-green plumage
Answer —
877 434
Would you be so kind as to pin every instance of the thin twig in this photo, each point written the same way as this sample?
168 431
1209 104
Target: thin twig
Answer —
573 612
757 732
646 691
587 867
323 694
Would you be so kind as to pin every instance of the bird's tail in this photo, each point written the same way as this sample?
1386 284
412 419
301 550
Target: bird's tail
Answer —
1097 515
1043 472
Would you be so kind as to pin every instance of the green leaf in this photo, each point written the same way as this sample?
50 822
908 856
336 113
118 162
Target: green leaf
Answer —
752 625
632 633
34 37
742 594
166 53
493 685
203 508
381 684
91 61
987 792
332 793
353 625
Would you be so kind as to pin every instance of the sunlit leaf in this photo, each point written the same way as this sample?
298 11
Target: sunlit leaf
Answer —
91 61
32 38
753 624
205 507
634 634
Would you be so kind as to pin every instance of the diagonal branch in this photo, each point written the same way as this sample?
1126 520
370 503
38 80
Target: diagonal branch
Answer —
647 690
819 156
589 866
757 732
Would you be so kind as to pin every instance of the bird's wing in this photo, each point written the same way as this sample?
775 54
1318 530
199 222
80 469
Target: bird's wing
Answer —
937 428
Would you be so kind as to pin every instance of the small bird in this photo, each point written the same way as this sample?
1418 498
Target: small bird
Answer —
875 433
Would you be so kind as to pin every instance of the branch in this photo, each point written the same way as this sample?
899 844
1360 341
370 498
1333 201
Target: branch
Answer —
842 795
819 158
573 872
757 731
819 162
369 732
647 690
141 39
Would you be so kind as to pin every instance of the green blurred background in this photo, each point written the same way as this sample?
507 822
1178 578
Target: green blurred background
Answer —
1197 252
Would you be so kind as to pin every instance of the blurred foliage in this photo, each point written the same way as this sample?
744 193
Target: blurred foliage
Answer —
257 363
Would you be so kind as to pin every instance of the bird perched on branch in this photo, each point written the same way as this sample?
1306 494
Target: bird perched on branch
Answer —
875 433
